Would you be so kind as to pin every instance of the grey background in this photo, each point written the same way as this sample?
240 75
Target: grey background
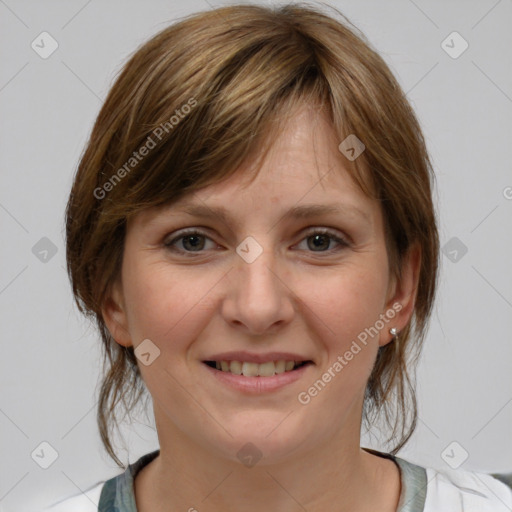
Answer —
50 354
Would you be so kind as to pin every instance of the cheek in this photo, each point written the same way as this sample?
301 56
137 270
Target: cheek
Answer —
346 313
347 301
164 305
345 307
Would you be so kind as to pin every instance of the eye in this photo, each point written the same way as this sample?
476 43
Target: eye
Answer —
190 241
321 238
194 241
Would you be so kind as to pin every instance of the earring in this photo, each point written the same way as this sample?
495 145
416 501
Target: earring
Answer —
393 331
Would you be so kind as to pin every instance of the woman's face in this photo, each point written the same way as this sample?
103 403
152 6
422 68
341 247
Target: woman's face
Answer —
262 279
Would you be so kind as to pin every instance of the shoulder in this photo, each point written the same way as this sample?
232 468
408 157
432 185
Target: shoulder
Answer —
117 493
463 490
84 502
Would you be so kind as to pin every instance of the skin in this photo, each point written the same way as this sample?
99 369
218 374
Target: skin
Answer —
294 297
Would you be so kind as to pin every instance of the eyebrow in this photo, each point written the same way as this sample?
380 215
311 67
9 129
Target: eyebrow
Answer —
296 212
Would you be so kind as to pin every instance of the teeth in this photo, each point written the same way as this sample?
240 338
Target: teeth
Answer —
236 367
267 369
248 369
280 366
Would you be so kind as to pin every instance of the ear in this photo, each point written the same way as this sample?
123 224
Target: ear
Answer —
114 315
402 294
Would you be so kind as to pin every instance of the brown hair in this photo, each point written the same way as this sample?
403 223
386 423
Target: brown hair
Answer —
207 94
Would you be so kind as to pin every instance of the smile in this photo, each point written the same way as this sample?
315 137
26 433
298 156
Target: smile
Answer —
251 369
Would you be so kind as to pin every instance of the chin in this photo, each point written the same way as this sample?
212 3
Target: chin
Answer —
263 439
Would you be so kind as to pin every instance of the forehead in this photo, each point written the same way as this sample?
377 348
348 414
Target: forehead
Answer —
303 165
303 173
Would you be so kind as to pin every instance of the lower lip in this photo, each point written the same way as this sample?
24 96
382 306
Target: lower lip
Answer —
257 385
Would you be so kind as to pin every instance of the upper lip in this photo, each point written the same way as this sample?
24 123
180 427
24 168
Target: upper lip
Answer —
257 358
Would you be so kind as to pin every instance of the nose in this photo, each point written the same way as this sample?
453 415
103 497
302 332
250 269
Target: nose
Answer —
258 300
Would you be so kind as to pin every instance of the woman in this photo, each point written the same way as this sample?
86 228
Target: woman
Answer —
252 227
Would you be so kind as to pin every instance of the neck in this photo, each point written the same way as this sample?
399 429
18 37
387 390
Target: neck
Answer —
336 475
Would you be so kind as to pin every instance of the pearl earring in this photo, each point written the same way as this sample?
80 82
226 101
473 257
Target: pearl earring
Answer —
393 331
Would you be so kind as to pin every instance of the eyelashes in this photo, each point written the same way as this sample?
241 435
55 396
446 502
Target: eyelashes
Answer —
319 236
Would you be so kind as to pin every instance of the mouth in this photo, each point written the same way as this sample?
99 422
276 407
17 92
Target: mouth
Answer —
253 369
255 374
